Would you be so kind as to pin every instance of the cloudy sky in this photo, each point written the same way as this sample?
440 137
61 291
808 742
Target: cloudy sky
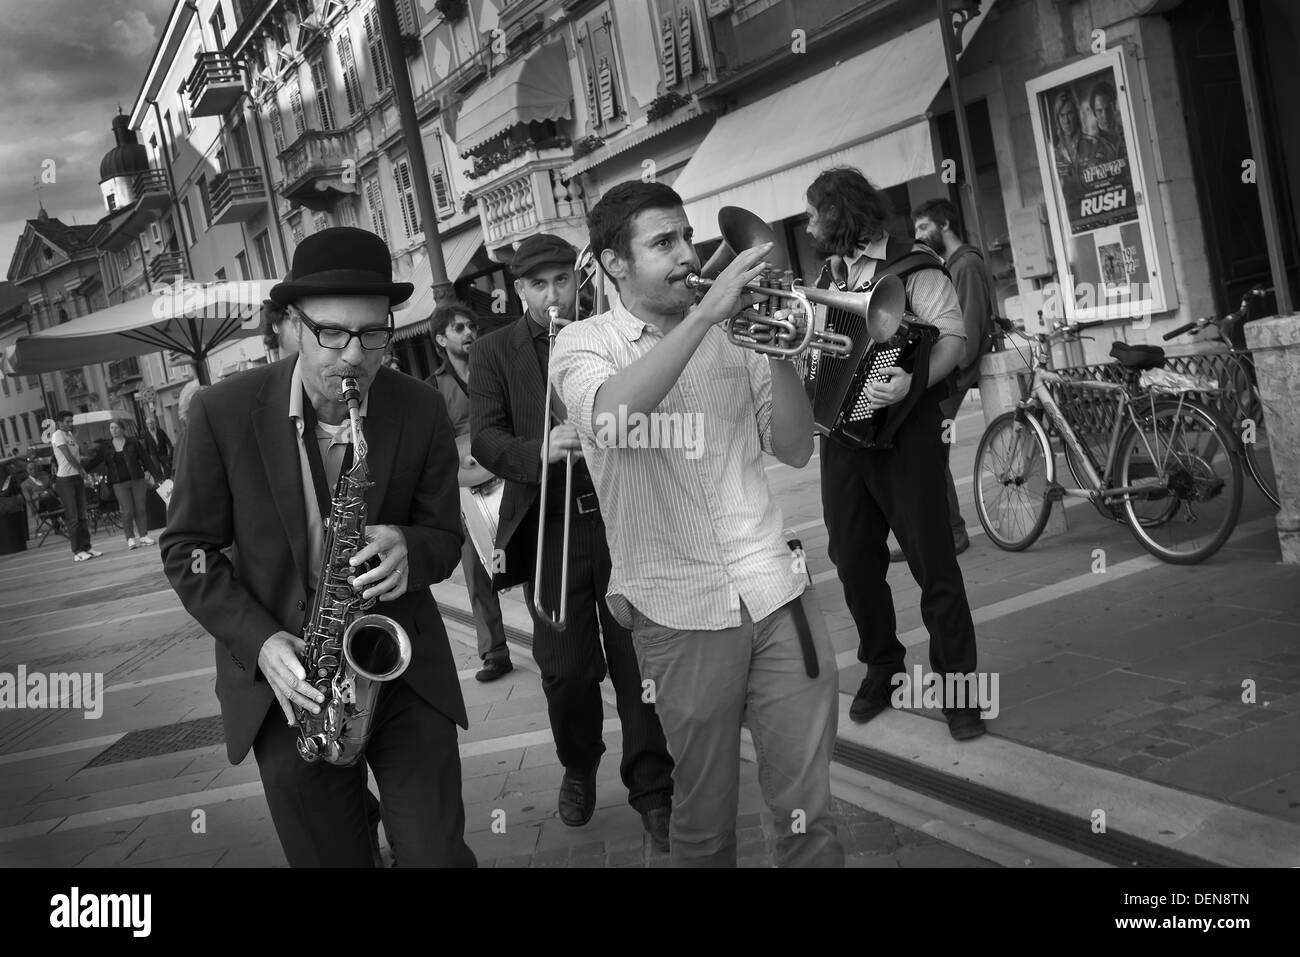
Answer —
66 65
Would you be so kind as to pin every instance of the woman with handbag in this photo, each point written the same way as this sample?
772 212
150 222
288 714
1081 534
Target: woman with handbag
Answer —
130 473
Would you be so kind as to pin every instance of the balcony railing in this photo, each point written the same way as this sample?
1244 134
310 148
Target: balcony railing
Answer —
215 84
122 371
151 193
527 201
166 266
238 195
320 168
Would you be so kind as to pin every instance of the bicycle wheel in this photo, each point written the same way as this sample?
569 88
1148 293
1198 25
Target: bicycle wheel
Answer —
1014 467
1183 457
1259 457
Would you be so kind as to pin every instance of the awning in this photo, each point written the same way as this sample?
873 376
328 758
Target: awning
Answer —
190 318
869 111
457 251
534 87
628 140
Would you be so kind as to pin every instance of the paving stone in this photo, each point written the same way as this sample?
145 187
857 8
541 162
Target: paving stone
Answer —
625 856
1138 763
870 860
1167 749
1185 735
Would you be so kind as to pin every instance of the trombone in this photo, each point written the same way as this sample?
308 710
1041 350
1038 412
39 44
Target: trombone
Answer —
557 621
791 335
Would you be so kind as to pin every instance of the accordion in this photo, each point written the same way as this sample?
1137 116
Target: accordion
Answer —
838 384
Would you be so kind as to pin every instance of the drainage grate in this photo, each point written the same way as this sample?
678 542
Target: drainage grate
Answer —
170 738
1067 830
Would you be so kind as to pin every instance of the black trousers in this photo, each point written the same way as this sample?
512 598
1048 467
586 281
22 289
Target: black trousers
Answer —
72 492
573 666
320 811
865 493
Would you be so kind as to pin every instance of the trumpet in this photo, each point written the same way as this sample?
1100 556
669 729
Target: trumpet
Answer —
794 332
557 621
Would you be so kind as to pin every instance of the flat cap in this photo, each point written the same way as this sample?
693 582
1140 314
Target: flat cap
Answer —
542 250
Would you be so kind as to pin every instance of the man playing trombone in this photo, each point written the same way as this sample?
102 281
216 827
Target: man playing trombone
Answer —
508 416
701 571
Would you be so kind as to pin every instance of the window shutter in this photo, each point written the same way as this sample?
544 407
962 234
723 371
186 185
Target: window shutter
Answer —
587 56
406 21
437 159
605 77
668 48
321 79
441 192
378 56
406 198
685 40
295 105
277 129
351 82
375 200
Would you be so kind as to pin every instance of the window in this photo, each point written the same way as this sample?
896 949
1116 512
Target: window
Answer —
220 274
676 33
347 213
206 200
4 435
378 56
218 21
33 382
295 229
601 86
154 158
188 219
171 134
296 108
124 260
351 82
407 23
241 260
320 220
112 202
437 159
155 233
320 79
18 385
186 125
27 425
265 255
375 200
277 128
406 197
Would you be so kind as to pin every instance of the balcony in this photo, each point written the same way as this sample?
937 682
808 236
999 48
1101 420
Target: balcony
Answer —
166 266
527 196
123 372
215 84
238 195
320 168
151 193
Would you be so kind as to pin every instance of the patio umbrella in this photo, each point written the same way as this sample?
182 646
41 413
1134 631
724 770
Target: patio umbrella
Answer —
189 318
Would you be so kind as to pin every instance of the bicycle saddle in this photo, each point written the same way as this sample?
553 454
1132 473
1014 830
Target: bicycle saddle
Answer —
1137 357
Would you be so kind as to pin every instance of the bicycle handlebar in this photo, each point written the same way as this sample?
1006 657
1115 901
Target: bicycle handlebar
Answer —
1180 330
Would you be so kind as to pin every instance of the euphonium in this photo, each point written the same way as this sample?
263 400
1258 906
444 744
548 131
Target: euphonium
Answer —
347 658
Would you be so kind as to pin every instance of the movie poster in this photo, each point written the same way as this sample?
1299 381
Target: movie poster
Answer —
1093 179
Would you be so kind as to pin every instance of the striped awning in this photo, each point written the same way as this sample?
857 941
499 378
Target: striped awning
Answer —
534 87
457 251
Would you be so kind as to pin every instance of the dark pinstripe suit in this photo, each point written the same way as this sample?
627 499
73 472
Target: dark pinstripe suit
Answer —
507 403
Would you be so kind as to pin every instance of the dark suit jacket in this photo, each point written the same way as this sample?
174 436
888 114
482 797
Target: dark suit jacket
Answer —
239 483
160 451
507 400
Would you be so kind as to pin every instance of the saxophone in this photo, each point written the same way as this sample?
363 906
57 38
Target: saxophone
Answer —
347 658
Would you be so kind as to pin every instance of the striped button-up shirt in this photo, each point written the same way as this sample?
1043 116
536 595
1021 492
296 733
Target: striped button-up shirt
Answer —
692 526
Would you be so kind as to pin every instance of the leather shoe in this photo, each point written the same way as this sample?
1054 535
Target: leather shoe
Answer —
964 723
871 699
655 821
896 555
494 668
577 797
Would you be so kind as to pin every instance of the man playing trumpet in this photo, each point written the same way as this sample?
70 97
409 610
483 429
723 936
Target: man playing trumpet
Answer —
701 572
507 416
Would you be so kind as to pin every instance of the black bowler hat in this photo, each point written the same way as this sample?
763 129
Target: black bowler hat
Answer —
341 261
542 250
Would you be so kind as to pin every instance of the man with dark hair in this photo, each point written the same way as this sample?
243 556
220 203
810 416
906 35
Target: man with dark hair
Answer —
70 483
507 417
866 492
1110 132
725 632
938 225
453 329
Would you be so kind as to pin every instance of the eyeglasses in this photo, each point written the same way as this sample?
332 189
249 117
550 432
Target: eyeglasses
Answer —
333 337
464 325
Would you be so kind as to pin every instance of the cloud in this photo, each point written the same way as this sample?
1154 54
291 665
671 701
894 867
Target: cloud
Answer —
68 65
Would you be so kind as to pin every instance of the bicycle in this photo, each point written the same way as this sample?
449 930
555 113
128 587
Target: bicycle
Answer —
1244 406
1171 464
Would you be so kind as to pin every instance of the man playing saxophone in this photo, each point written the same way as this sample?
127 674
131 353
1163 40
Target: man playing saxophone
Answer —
244 549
